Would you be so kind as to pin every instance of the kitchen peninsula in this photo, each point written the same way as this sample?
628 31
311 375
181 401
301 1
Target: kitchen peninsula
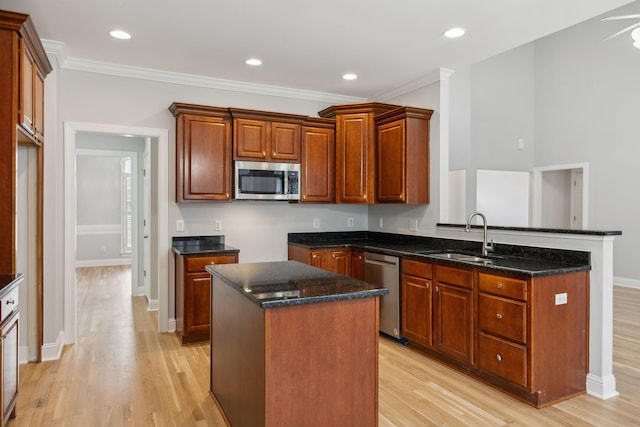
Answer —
293 344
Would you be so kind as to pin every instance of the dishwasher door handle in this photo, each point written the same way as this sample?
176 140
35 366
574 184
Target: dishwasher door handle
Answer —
382 263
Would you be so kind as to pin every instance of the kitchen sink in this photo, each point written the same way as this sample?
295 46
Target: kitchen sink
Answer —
458 256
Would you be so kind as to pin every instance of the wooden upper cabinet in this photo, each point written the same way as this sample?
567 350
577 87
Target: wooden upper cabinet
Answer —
317 161
355 150
33 66
266 136
403 156
203 153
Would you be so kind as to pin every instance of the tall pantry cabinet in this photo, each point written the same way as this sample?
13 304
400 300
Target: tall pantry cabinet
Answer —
23 68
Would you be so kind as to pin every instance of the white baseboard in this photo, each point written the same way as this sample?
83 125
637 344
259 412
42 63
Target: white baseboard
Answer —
153 305
601 387
102 262
52 351
171 326
627 283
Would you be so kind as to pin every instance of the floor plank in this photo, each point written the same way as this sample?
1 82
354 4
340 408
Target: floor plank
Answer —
121 372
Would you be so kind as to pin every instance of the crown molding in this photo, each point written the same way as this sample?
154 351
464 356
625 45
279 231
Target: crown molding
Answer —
56 49
409 87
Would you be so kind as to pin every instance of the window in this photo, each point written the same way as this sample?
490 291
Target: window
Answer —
126 222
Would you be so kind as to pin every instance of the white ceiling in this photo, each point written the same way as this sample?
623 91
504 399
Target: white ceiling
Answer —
304 45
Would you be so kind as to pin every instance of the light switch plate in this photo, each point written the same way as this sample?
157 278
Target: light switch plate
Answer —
413 225
179 225
349 222
217 225
316 223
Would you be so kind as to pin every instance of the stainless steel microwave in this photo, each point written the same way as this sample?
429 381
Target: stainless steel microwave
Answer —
267 181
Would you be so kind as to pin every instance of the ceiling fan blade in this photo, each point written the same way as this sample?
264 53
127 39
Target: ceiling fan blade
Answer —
630 27
616 18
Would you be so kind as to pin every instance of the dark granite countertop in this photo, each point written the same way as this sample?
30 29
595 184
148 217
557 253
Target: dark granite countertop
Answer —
542 230
8 282
283 283
202 245
512 259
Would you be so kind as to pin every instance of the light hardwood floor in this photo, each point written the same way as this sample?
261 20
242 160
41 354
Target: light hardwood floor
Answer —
122 372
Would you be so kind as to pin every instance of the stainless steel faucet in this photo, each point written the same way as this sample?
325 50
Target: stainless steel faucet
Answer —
486 248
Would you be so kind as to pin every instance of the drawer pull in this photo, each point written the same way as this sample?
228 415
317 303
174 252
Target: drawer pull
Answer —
274 154
426 285
264 154
499 357
499 285
499 315
437 288
212 263
10 302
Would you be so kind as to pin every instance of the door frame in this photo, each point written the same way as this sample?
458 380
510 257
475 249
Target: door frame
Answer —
160 232
537 190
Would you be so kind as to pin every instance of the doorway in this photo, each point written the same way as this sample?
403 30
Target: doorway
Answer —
560 196
157 140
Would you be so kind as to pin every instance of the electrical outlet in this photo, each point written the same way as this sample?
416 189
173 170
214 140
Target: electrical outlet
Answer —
217 225
179 225
349 222
413 225
316 223
103 249
380 223
561 298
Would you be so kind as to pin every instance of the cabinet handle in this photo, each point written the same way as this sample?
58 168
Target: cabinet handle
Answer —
364 196
227 195
274 154
10 302
499 286
264 154
437 288
212 263
304 197
499 315
315 256
426 285
499 357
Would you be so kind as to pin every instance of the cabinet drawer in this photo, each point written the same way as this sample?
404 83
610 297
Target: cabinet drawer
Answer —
416 268
502 358
500 316
197 264
9 303
453 275
503 286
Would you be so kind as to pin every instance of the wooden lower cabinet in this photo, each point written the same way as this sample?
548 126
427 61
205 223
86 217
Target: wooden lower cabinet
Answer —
357 264
193 291
453 322
525 335
337 260
417 294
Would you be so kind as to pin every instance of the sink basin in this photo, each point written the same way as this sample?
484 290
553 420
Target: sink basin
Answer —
457 256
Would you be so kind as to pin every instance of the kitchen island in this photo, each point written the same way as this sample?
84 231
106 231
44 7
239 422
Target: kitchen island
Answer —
292 344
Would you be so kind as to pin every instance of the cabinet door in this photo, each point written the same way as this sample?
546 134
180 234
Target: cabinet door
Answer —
318 159
285 142
318 258
250 138
197 299
416 309
9 344
26 118
38 106
354 158
391 162
204 159
340 261
453 321
357 264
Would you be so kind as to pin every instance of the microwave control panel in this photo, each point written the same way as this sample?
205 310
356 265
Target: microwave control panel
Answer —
292 178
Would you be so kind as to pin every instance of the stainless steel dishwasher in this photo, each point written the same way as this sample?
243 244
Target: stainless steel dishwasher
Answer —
384 270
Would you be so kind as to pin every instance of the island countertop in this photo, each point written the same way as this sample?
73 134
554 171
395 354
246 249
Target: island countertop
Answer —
282 283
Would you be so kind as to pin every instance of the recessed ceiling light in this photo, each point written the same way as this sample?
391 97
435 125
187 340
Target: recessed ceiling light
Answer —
253 61
454 33
349 76
119 34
